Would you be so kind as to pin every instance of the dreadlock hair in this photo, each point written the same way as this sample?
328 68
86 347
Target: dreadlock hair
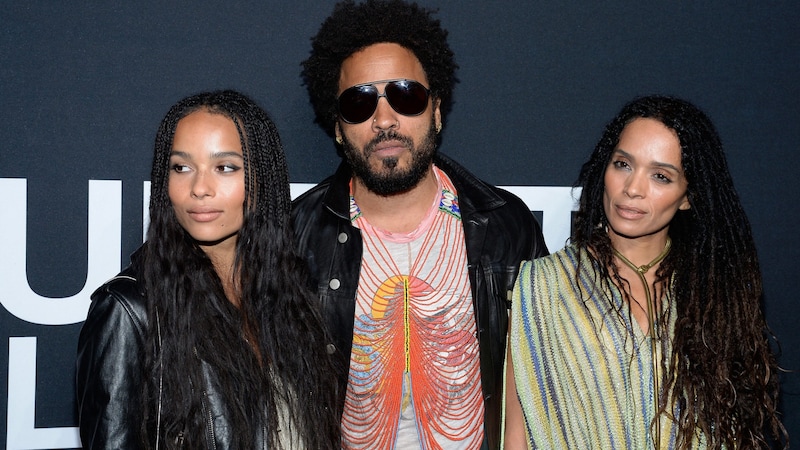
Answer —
269 352
353 27
722 373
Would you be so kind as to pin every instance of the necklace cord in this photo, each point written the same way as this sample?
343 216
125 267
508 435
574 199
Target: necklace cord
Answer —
651 318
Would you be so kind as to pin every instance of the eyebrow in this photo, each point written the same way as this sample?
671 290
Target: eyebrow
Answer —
656 163
216 155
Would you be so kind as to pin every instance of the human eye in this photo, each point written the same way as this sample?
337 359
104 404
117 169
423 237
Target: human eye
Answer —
228 168
179 168
620 164
662 178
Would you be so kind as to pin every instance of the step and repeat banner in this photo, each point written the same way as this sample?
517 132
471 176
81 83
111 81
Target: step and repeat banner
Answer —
83 88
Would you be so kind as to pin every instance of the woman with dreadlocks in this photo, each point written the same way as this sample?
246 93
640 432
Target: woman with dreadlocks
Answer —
208 339
647 330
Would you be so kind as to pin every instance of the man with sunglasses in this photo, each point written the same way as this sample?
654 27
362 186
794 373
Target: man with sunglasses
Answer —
413 258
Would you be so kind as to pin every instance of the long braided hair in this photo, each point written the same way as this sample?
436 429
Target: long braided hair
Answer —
722 372
268 354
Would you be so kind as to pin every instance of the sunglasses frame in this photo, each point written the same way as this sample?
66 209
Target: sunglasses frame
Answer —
394 81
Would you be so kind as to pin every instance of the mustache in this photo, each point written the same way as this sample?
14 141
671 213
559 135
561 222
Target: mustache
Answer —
385 136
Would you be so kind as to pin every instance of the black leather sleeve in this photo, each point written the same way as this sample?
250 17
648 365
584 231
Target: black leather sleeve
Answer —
109 367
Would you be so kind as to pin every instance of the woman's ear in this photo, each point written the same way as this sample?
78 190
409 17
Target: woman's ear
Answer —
685 204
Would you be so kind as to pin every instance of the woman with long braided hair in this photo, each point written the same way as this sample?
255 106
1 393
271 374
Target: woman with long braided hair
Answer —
646 331
209 338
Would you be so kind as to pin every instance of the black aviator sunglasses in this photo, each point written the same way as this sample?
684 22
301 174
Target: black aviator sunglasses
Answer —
407 97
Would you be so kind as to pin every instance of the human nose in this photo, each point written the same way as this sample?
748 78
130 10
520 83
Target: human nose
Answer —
385 116
202 185
635 185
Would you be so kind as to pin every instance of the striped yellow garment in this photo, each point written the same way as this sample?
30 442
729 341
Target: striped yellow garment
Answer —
583 368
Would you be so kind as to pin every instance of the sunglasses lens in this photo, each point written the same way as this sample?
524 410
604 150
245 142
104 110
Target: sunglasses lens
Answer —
356 104
407 97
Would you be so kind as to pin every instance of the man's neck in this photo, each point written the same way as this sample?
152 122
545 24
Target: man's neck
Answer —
397 213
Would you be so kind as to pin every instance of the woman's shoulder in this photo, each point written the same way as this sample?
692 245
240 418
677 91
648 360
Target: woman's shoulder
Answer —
122 294
546 283
565 258
552 272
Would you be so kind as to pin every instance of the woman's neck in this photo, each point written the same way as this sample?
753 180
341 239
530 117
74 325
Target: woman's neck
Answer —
639 251
644 301
222 257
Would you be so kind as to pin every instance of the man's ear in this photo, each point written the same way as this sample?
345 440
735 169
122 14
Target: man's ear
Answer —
337 133
437 114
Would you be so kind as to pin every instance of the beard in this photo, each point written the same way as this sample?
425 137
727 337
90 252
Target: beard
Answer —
390 179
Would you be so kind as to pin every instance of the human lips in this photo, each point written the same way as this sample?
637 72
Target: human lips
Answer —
629 212
388 148
204 214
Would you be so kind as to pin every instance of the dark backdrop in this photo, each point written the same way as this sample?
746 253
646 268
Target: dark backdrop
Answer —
83 88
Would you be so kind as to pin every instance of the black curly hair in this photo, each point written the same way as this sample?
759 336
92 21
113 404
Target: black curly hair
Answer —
269 352
722 371
352 27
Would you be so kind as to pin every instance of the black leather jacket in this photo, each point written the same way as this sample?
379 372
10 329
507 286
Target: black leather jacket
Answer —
499 231
109 371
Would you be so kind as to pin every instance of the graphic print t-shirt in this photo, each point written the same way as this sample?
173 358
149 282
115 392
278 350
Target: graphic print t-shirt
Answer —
414 367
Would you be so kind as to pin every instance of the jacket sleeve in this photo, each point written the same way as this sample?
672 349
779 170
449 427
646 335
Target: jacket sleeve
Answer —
529 231
539 247
109 373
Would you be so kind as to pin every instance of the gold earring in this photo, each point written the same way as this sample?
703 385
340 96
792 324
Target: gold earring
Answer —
438 128
339 140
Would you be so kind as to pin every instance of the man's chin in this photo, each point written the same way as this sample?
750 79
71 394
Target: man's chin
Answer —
387 183
388 170
384 166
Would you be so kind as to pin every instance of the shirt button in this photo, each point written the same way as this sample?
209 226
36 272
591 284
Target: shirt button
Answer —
334 284
330 348
342 238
